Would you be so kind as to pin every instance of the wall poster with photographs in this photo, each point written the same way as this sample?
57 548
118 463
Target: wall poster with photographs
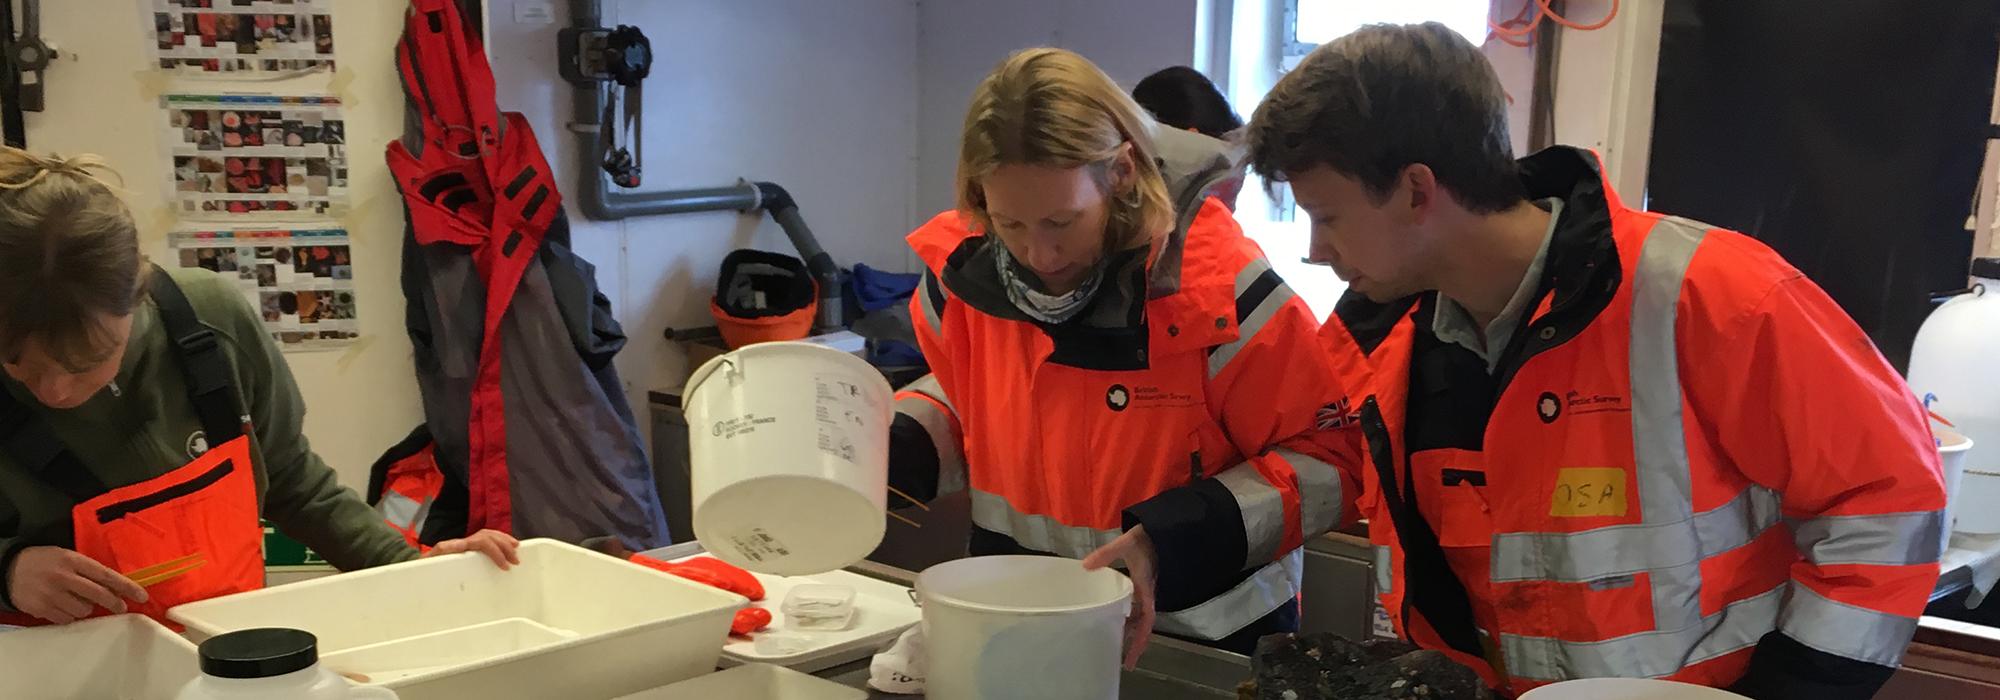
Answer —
301 280
263 156
243 38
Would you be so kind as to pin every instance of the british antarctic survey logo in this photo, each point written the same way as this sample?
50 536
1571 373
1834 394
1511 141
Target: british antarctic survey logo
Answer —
1549 407
1117 397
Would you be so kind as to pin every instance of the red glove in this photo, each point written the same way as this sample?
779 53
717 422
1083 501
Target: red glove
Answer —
749 620
709 571
735 579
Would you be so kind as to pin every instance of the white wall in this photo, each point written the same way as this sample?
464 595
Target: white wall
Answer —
819 97
102 99
1604 88
960 41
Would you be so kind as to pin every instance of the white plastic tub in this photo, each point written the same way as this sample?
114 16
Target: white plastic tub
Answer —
788 457
1952 448
1978 502
122 657
567 623
1627 689
1023 627
753 682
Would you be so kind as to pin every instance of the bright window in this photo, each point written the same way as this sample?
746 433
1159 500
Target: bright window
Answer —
1321 21
1275 222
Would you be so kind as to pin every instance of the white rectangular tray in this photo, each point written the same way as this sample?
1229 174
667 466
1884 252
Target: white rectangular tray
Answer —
622 627
882 611
753 682
122 657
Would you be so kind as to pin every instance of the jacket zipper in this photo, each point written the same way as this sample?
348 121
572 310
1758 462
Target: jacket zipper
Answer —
124 508
1375 432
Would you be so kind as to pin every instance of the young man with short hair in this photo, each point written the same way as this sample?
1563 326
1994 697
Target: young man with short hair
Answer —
1599 441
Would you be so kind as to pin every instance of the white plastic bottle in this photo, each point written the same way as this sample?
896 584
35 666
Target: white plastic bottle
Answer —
1955 367
270 664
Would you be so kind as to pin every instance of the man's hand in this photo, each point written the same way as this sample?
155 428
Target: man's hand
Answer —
1136 550
501 547
62 586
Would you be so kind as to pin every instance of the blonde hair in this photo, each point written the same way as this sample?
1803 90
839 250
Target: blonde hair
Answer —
69 256
1051 107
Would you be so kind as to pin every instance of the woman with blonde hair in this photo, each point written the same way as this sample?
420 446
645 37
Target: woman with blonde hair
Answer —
147 421
1117 374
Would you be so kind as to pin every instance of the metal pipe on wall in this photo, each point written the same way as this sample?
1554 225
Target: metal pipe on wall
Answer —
600 202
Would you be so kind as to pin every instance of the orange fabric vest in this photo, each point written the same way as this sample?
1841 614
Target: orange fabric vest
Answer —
1631 521
207 509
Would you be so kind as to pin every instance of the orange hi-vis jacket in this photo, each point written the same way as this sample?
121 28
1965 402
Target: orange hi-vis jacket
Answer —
1186 398
1690 464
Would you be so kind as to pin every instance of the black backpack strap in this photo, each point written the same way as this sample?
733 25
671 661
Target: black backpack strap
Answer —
32 444
210 378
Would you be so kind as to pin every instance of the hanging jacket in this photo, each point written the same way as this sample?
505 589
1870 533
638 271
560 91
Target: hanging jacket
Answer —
1689 464
513 342
1185 398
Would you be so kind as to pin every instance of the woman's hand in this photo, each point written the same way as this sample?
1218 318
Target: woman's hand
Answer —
498 546
1136 550
62 586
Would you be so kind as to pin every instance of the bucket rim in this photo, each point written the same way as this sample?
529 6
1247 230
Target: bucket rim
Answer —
927 596
707 369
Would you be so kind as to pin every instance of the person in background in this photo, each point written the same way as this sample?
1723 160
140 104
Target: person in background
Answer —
1117 372
147 421
1603 441
1183 98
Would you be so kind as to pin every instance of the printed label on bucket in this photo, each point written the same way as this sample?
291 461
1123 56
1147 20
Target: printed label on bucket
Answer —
758 545
841 408
742 425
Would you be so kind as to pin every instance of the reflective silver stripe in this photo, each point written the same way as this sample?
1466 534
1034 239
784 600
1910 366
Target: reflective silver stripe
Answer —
931 286
1247 329
1320 496
1659 441
1619 550
1670 540
951 455
1646 654
1254 598
1657 437
1037 532
1896 539
402 511
1263 510
1846 630
1385 579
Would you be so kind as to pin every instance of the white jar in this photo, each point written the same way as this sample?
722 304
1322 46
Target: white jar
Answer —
1955 367
270 664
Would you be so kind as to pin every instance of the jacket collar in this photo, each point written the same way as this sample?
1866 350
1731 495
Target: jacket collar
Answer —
1582 272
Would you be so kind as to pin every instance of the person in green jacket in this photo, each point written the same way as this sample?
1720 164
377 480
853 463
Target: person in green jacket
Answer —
124 420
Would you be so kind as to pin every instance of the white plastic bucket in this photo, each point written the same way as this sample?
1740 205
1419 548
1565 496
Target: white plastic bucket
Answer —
1023 627
1627 689
1951 453
789 457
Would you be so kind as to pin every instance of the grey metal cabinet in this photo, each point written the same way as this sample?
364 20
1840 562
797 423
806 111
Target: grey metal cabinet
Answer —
1339 586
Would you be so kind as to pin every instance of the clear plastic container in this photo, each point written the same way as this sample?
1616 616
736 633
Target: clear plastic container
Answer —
779 643
819 606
